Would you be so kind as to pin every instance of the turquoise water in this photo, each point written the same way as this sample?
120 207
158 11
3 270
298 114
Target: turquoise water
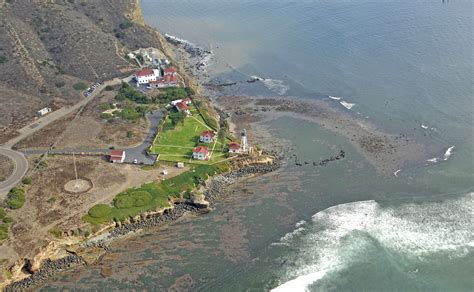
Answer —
403 64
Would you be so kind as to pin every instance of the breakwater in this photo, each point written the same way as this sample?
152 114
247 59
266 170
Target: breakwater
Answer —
48 268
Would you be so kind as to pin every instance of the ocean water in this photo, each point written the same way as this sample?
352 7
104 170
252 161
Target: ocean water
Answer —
406 66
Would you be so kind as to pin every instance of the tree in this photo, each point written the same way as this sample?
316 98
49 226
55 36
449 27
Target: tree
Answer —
222 133
177 117
79 86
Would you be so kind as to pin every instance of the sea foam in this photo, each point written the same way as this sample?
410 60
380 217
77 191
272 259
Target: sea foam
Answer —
347 105
338 237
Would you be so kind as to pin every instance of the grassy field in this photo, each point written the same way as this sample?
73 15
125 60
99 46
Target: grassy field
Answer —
177 143
151 196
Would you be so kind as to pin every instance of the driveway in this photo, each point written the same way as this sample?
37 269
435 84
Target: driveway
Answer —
139 152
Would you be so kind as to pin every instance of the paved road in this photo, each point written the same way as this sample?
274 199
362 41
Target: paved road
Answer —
21 166
53 116
137 153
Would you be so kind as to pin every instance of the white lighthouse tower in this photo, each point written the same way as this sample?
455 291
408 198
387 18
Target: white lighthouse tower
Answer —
243 142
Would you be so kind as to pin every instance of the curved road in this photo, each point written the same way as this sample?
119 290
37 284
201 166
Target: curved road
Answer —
20 168
20 162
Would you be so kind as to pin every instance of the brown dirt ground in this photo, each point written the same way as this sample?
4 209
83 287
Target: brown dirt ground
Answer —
87 130
6 167
48 206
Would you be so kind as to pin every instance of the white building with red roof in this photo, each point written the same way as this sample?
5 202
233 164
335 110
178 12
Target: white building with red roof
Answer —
181 106
117 156
147 75
170 71
207 137
234 147
201 153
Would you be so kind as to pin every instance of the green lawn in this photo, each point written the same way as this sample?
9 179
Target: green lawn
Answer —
176 144
151 196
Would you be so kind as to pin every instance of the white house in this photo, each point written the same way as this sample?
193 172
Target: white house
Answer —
234 147
206 137
144 76
117 156
181 106
201 153
43 111
186 101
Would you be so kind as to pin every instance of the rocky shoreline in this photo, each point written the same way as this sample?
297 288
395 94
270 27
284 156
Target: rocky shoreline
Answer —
47 270
214 189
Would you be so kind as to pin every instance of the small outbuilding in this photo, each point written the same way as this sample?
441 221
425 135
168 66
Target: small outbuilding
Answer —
117 156
234 147
44 111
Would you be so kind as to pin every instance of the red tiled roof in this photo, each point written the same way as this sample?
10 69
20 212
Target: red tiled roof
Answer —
207 134
171 78
201 149
144 72
182 106
170 70
116 153
234 145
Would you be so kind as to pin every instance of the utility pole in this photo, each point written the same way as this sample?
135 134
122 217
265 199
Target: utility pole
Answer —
75 168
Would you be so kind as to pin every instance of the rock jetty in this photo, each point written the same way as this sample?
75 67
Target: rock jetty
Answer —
48 269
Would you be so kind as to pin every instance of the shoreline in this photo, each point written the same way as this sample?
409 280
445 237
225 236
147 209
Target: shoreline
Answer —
214 189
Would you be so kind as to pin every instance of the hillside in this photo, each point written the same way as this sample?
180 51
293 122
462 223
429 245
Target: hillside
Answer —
48 46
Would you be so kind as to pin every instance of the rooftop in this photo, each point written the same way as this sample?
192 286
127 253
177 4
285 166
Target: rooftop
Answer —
144 72
201 149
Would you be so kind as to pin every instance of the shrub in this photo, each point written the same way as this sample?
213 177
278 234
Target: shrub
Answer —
79 86
130 113
2 213
56 232
100 210
105 106
126 24
124 201
106 116
27 180
3 231
120 35
16 198
60 84
141 198
109 88
3 59
126 91
7 220
130 134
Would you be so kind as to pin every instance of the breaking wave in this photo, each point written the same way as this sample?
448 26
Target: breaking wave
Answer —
343 235
347 105
335 97
446 155
276 86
